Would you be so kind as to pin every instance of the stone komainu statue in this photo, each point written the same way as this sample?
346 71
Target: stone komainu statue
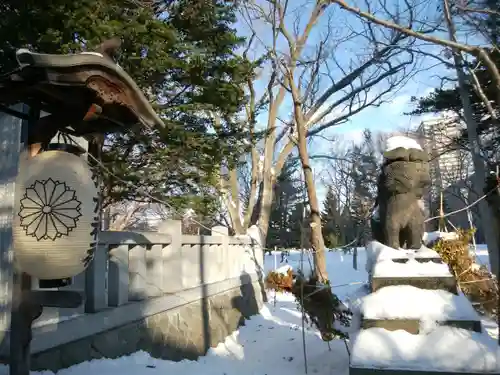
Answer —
401 184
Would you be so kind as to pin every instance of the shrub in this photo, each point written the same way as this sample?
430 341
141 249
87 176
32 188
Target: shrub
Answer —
322 306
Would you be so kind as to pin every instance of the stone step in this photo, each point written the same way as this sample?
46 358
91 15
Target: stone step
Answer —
372 371
447 283
443 350
413 326
427 275
423 268
416 310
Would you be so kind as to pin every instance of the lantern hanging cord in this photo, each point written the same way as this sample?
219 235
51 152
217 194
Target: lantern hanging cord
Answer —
174 210
310 252
261 270
105 169
303 312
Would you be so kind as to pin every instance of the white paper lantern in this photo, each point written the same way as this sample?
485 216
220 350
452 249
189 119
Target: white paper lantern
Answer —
56 221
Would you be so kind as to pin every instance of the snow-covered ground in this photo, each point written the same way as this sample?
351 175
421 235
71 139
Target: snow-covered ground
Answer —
268 344
482 255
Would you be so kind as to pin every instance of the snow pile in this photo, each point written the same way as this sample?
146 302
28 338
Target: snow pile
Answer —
377 252
408 302
431 237
284 269
398 141
269 343
412 268
443 349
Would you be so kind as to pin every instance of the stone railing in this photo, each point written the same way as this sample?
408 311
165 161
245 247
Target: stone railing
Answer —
133 266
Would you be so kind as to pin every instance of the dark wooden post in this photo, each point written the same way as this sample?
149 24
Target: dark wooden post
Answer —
23 311
10 144
13 136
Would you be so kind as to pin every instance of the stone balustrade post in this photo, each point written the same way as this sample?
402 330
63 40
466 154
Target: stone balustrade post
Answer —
118 276
172 259
257 247
221 231
95 281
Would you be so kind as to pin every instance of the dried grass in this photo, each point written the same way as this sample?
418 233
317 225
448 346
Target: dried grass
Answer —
475 281
279 282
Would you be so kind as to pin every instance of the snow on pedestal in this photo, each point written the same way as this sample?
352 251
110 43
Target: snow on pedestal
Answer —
422 268
409 302
413 293
412 268
377 252
443 349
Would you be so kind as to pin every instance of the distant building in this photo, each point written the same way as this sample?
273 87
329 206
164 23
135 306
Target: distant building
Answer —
450 168
449 163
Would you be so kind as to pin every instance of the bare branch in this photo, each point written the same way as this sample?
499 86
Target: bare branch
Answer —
490 12
474 50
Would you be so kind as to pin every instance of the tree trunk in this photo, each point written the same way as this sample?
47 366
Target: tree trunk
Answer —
479 167
266 201
317 241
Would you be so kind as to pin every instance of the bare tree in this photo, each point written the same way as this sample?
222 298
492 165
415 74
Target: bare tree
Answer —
193 223
323 68
452 43
337 173
352 174
126 215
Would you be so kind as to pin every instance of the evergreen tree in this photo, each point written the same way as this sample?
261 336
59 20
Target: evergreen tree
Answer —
331 221
286 215
182 55
347 229
366 168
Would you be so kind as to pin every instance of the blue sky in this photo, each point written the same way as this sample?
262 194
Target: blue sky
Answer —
387 117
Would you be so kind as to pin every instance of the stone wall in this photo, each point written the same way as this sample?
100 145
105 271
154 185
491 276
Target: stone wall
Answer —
182 332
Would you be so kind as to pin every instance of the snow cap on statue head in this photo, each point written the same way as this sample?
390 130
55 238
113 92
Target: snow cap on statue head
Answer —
401 141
